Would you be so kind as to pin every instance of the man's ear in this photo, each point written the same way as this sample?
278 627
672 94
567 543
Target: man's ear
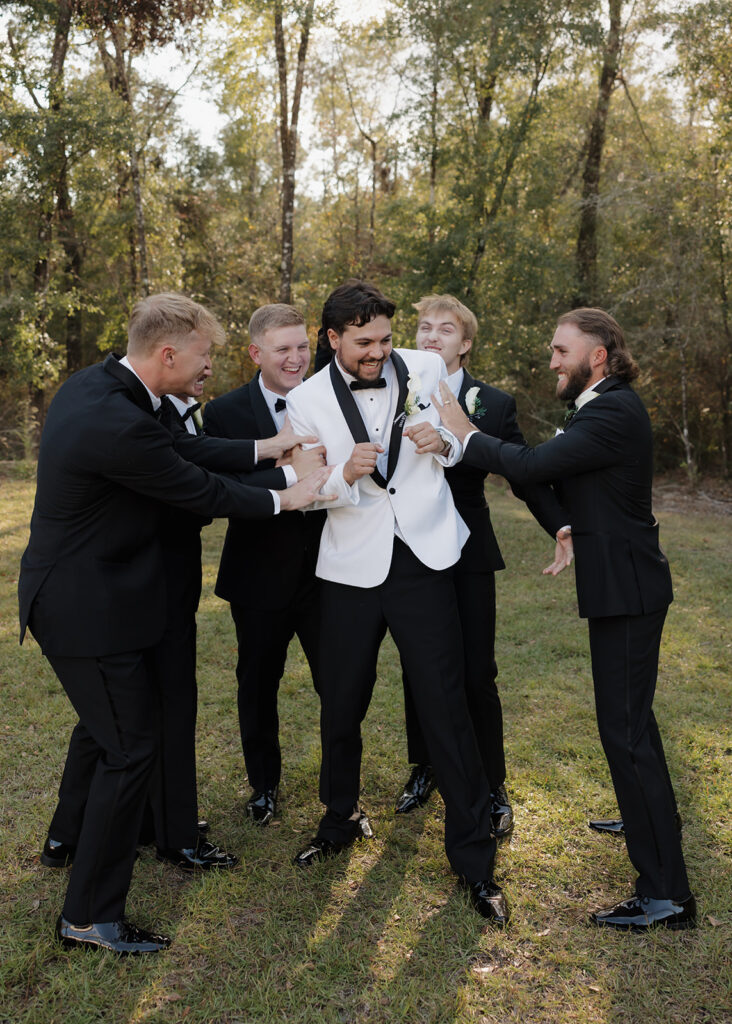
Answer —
255 354
465 346
333 338
167 355
598 357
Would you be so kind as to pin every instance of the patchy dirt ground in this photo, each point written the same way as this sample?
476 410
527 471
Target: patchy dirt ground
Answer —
711 496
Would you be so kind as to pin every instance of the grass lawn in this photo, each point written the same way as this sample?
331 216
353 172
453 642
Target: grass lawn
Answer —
382 934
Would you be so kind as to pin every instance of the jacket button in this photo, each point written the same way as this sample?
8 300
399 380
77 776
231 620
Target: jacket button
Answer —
392 490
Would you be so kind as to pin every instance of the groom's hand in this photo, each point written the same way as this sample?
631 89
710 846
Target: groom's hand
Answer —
306 491
563 554
426 438
362 461
451 413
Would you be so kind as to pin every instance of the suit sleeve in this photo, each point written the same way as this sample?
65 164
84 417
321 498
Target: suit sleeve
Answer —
540 498
594 441
220 455
346 494
145 461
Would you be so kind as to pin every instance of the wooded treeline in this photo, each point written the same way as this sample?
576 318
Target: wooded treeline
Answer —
526 155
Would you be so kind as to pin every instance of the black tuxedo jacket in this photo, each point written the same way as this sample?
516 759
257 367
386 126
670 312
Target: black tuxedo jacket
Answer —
260 567
467 482
604 460
91 580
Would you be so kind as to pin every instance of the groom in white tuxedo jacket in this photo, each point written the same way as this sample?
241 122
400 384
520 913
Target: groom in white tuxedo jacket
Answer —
386 561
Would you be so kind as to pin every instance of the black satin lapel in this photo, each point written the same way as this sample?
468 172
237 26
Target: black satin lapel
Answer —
112 365
348 405
395 440
263 417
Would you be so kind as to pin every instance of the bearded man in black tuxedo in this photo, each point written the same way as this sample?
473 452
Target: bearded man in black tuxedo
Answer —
267 574
92 589
604 462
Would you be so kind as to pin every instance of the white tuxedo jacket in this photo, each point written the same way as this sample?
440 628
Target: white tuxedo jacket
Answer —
357 540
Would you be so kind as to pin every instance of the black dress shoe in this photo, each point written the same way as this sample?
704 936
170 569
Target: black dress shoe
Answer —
323 849
120 937
202 857
202 827
261 805
640 913
615 826
419 785
501 813
57 855
488 900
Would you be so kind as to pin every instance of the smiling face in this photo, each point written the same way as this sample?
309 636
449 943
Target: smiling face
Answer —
577 359
187 363
440 331
283 356
362 351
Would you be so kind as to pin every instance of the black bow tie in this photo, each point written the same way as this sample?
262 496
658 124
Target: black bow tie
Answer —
280 405
361 385
190 410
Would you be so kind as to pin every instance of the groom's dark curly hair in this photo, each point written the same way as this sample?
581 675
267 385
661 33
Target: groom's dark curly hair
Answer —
354 303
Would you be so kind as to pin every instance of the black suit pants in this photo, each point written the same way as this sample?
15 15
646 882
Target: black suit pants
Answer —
116 742
263 639
476 599
418 606
173 793
624 652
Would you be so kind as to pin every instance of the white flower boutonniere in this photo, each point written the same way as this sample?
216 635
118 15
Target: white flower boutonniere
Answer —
473 403
412 403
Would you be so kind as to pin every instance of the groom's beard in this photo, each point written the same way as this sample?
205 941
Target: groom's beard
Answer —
576 382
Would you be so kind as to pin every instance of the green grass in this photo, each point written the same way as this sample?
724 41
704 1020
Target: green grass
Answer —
383 935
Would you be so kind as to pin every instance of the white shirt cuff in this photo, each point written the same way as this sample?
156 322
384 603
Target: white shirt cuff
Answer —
276 499
290 475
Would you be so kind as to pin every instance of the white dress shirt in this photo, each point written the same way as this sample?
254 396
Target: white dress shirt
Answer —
271 398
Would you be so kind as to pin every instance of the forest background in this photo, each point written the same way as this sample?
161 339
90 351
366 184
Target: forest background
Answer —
525 155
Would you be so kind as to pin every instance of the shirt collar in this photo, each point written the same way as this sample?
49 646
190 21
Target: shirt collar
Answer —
587 395
179 404
124 361
455 381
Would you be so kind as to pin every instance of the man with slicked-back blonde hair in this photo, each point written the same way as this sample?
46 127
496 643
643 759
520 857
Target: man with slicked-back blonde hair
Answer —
92 591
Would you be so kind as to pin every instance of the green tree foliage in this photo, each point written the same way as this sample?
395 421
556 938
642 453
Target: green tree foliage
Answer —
439 146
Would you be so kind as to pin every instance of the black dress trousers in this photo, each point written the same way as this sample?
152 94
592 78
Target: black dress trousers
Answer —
418 606
263 641
476 600
116 702
624 651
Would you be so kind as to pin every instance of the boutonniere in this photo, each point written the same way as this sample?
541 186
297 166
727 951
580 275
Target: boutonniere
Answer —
473 404
412 403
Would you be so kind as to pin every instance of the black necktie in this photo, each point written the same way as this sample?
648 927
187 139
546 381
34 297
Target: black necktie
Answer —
361 385
190 410
280 405
571 410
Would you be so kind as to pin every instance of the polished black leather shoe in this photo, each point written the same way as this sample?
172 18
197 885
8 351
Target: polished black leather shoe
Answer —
640 913
615 826
202 857
119 937
202 827
419 785
261 805
57 855
501 813
488 900
323 849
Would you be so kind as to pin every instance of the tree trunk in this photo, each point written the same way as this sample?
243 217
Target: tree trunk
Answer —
723 376
288 136
115 70
587 286
73 252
